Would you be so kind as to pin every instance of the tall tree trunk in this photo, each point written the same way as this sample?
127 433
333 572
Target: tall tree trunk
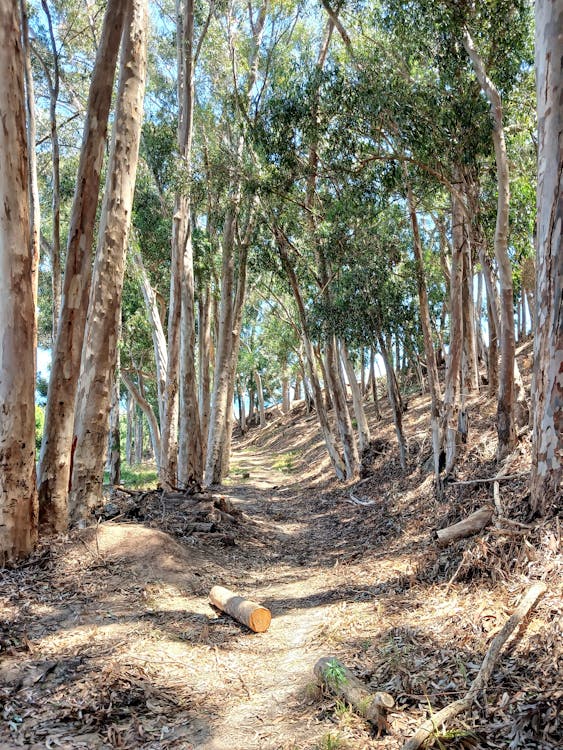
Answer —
357 399
238 308
114 429
341 412
204 354
190 450
169 425
53 79
505 408
241 407
56 448
18 499
373 381
394 400
260 394
451 392
104 311
220 399
431 368
129 433
469 364
547 436
137 397
139 437
285 406
157 331
34 205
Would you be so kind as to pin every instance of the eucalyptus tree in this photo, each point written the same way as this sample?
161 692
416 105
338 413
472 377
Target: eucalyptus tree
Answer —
56 448
547 449
104 309
18 499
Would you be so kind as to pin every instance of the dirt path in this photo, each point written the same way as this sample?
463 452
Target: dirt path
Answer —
108 640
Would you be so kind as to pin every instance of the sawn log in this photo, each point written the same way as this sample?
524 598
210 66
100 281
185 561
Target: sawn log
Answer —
253 615
340 681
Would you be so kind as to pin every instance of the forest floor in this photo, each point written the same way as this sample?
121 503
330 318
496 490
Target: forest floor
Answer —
108 640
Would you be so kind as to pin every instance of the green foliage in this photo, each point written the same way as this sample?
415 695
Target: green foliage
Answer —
39 425
142 477
334 673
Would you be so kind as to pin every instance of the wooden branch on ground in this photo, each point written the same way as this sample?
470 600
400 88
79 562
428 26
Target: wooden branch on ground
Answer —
479 683
253 615
340 681
497 478
359 501
469 526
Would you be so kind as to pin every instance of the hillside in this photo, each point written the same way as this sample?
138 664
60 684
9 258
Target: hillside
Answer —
107 638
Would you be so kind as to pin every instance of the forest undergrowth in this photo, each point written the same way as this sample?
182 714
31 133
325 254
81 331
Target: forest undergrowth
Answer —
108 640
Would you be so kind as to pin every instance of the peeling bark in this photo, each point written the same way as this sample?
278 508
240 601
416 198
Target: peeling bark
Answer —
104 310
18 500
55 460
505 407
547 445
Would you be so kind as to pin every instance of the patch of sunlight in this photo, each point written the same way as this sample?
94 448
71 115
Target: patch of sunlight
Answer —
286 462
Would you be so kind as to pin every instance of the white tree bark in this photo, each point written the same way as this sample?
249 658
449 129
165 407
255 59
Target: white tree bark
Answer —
190 451
136 397
357 400
204 357
56 448
18 500
453 371
505 409
547 447
157 331
104 311
34 205
260 392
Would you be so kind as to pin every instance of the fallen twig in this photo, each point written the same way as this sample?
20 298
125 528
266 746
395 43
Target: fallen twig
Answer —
479 683
497 478
358 501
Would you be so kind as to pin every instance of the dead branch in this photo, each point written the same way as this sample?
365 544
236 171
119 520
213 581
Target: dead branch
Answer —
497 478
469 526
479 683
359 501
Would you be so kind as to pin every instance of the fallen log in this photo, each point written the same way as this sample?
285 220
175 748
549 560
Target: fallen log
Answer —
469 526
253 615
342 683
439 718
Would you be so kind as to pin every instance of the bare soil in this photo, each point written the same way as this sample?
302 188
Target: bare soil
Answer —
108 640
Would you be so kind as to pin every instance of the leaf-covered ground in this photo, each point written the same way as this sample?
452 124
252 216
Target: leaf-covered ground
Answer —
107 638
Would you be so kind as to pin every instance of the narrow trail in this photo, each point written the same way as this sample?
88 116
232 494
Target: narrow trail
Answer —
274 668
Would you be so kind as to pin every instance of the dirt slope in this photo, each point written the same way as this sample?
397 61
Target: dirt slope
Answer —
107 639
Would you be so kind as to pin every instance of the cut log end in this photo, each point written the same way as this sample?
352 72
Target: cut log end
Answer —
249 613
